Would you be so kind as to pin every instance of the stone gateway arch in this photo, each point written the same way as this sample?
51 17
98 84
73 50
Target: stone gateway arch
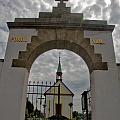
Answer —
60 29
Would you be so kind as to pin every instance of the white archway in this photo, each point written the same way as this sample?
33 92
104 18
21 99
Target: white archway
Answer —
60 29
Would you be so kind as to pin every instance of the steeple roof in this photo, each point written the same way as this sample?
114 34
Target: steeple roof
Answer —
59 70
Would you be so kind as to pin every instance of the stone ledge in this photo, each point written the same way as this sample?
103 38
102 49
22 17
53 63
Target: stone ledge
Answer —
25 20
60 10
62 24
54 18
47 15
99 22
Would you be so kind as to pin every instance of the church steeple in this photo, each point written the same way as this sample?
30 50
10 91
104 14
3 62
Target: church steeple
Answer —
59 71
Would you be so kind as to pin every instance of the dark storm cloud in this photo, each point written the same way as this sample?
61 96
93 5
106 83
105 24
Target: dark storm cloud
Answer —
101 3
51 2
94 10
115 12
77 8
105 13
2 49
3 41
79 85
22 8
72 64
4 28
116 41
10 9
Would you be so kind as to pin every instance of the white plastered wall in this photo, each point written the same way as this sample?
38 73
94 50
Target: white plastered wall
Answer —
105 84
64 100
13 82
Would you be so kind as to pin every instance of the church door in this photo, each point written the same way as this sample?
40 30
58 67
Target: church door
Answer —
58 109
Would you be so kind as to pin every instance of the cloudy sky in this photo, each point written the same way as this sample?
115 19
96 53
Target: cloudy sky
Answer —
75 71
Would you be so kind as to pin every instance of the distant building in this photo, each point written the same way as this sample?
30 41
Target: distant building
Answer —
65 107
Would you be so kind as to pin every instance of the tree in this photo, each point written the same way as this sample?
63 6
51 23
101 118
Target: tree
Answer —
70 105
75 114
29 107
38 113
78 116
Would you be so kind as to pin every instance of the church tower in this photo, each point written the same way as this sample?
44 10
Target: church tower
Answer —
59 71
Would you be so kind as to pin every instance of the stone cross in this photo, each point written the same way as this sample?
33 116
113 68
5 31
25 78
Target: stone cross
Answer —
61 1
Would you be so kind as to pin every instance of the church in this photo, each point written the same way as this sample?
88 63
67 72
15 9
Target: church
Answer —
62 103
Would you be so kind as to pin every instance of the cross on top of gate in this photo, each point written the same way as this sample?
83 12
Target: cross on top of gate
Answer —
61 1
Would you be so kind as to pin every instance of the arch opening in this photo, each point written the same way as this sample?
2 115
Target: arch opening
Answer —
68 79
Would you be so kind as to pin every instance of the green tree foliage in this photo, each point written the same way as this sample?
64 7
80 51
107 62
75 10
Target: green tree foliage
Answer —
29 107
75 114
38 113
30 112
78 116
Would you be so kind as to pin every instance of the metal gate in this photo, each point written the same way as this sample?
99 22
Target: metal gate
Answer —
36 101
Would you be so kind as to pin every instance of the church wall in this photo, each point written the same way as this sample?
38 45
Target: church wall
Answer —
105 84
65 107
49 106
64 100
63 90
13 83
